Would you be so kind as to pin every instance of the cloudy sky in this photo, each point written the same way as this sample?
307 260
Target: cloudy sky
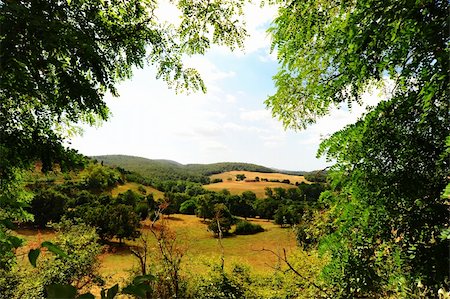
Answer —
228 123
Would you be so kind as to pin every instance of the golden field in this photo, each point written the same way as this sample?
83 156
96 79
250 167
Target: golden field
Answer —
134 187
237 187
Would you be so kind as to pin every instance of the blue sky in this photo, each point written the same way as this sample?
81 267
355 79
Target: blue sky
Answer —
228 123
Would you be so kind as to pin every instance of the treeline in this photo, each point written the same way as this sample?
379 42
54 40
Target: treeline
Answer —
163 170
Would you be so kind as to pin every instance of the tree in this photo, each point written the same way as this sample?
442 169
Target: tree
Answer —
188 207
48 205
60 58
266 208
392 165
205 206
98 177
287 215
240 177
221 223
243 205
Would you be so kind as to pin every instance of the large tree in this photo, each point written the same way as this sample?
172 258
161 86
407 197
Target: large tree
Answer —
391 221
60 58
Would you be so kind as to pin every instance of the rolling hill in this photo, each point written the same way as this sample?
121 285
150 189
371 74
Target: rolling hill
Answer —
171 170
271 180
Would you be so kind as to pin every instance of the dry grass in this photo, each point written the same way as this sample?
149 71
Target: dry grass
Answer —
252 175
201 248
237 187
134 187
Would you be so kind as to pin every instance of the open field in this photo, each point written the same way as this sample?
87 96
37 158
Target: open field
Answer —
225 176
237 187
200 247
134 187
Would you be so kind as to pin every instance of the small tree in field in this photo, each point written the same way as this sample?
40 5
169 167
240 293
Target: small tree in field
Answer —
222 221
240 177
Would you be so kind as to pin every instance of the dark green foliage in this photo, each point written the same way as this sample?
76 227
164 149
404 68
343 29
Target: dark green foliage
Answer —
129 198
205 206
14 201
113 220
142 210
392 165
247 228
287 215
240 177
216 181
221 221
188 207
316 176
311 192
265 208
397 197
48 205
243 205
99 178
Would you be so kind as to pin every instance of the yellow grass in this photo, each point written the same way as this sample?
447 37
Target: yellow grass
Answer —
237 187
201 248
134 187
251 175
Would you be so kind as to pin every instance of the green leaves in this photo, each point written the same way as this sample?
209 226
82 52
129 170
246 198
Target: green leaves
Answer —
58 291
140 286
110 293
53 248
33 254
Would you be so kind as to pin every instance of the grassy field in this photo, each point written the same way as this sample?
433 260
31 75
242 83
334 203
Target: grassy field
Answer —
134 187
237 187
200 247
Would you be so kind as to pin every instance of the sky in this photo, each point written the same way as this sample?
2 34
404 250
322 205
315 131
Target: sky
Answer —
230 123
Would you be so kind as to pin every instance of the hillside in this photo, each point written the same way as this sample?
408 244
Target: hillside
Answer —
171 170
267 180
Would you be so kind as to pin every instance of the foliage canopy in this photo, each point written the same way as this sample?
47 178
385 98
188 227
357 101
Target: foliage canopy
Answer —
392 165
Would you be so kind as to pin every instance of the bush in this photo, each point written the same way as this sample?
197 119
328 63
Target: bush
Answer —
188 207
216 181
48 205
246 228
142 210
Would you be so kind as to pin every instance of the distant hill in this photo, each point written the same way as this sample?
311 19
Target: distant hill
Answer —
171 170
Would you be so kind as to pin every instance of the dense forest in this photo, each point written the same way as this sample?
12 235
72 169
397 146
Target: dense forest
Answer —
374 225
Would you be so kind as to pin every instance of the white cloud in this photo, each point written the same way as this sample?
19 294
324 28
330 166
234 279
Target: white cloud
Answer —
230 99
256 115
257 19
213 146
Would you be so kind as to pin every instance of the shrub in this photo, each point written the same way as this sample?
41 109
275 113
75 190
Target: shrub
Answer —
188 207
247 228
142 210
48 205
